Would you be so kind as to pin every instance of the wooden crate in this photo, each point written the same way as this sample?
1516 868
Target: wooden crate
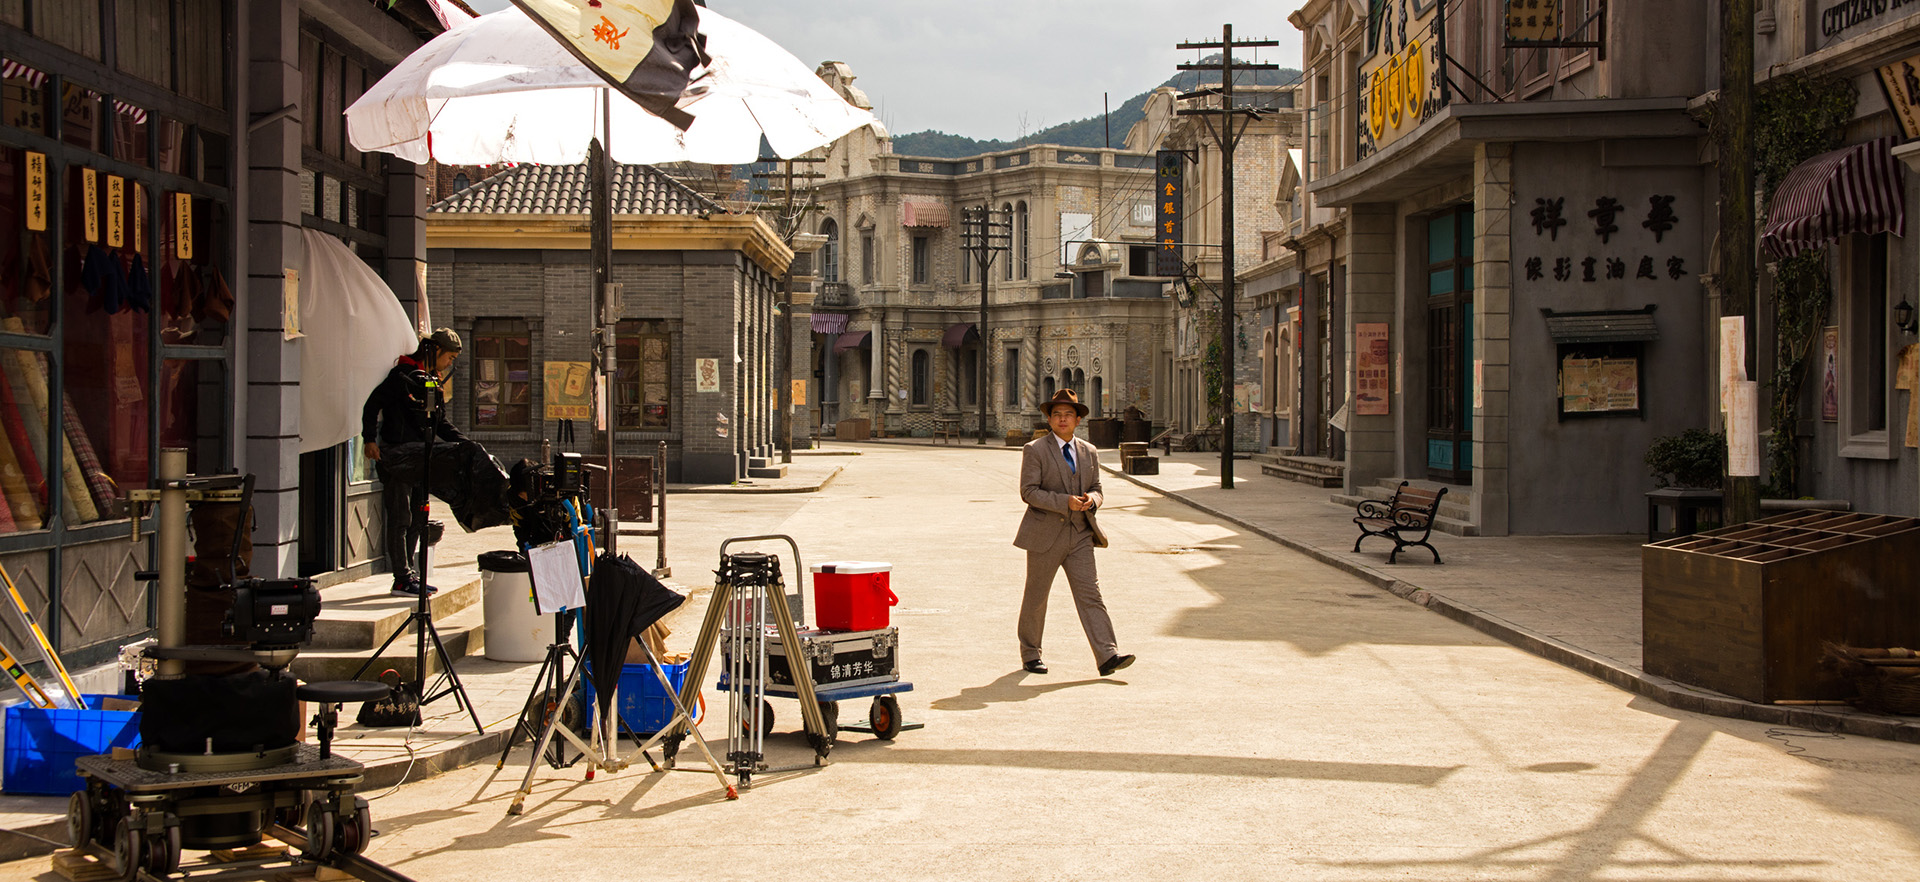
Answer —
1743 610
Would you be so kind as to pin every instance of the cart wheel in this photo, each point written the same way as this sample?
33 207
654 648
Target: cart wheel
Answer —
126 850
173 848
80 818
766 720
884 717
830 716
321 820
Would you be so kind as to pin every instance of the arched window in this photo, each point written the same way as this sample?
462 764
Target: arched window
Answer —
1020 238
460 182
922 376
1006 213
1046 393
1269 366
830 252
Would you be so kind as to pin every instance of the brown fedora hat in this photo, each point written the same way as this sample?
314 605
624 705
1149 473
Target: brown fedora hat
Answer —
1064 396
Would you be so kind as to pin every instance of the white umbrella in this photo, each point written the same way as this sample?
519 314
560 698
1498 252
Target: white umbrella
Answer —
501 89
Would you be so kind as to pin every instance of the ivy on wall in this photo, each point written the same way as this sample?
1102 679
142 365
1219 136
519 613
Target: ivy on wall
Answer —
1795 118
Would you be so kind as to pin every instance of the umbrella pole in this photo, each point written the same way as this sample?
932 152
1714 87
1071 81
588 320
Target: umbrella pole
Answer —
600 181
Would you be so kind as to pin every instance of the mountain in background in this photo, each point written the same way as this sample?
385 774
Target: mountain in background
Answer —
1089 132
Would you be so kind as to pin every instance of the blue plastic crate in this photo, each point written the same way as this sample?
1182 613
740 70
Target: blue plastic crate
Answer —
42 744
643 707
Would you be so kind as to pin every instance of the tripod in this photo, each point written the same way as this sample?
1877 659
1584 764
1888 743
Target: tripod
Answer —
602 753
421 619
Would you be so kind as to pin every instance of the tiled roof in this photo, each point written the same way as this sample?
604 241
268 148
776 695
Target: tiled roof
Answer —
562 189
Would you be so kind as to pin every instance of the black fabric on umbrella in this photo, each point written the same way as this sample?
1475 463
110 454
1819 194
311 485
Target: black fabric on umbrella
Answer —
623 600
659 80
464 476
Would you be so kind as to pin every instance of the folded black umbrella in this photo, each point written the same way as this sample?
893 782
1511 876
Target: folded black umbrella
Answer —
623 600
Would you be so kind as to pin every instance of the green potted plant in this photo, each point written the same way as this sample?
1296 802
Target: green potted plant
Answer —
1693 459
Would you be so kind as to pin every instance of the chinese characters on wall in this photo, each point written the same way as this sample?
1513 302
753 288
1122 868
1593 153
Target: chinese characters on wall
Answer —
1610 261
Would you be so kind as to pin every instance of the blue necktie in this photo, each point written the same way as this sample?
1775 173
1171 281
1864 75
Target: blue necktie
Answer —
1066 450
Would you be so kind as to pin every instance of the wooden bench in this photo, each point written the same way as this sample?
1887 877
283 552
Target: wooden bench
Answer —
1410 511
946 429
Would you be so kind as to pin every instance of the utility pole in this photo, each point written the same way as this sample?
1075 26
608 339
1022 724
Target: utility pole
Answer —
607 311
1233 124
1735 111
983 237
796 202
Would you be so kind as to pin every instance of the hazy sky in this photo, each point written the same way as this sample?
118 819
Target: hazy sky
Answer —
1001 68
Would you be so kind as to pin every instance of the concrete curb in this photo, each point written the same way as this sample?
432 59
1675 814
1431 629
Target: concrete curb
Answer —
1667 692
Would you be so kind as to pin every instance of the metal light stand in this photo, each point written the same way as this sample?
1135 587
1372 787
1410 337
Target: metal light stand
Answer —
546 702
421 619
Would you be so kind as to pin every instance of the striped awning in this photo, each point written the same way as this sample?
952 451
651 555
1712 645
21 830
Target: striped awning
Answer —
829 322
923 214
853 341
1851 190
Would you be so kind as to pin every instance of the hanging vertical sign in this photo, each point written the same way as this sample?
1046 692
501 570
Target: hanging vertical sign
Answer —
183 226
116 211
36 191
1533 21
1169 194
1372 353
90 203
1400 82
139 218
1901 82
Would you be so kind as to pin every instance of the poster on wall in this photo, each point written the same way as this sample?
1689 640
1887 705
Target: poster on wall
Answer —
1599 385
1733 357
1743 431
567 386
1372 355
706 372
1830 374
799 393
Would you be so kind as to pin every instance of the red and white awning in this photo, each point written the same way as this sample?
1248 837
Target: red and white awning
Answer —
1854 189
923 214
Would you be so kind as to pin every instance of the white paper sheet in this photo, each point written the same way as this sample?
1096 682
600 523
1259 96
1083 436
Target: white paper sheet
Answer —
556 578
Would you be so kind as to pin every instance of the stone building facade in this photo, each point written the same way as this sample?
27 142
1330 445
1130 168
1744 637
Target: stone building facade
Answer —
695 338
1491 220
893 333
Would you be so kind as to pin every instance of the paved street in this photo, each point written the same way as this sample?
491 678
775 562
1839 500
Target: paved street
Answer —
1286 720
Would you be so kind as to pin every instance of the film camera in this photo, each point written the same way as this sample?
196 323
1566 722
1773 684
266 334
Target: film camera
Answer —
538 494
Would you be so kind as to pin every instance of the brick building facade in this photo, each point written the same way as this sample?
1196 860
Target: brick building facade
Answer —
510 272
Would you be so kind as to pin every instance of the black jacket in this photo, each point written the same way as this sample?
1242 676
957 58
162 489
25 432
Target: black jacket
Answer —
396 413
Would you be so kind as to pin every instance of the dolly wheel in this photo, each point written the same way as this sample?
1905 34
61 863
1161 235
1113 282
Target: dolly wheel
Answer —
321 821
126 850
766 720
884 717
80 818
162 852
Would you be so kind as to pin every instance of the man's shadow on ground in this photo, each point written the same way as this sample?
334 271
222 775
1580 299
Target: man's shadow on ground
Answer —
1009 687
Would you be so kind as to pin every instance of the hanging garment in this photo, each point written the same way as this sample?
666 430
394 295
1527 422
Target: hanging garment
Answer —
39 270
139 285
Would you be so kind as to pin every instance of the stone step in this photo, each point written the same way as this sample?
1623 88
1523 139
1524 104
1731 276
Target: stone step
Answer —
358 615
769 471
1302 476
463 633
1317 464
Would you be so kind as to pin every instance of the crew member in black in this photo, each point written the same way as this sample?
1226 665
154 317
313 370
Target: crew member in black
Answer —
396 413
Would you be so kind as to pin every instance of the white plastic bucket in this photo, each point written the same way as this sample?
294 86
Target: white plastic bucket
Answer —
515 629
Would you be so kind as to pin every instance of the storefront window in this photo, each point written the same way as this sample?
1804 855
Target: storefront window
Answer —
129 133
23 98
23 444
80 117
195 299
644 354
193 405
26 265
502 397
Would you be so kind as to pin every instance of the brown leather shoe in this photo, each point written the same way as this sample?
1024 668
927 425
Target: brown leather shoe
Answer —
1114 663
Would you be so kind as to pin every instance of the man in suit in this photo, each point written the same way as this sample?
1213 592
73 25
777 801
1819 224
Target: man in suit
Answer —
1060 483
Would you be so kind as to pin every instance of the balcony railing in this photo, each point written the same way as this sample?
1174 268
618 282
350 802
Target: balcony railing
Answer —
836 295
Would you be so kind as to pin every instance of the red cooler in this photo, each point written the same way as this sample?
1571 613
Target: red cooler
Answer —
852 595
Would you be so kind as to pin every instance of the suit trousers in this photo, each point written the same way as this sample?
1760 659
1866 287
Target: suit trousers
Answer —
1074 554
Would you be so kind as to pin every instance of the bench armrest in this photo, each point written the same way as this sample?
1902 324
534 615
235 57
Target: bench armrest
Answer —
1373 508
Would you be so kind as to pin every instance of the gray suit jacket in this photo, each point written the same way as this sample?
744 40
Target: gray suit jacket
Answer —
1045 486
